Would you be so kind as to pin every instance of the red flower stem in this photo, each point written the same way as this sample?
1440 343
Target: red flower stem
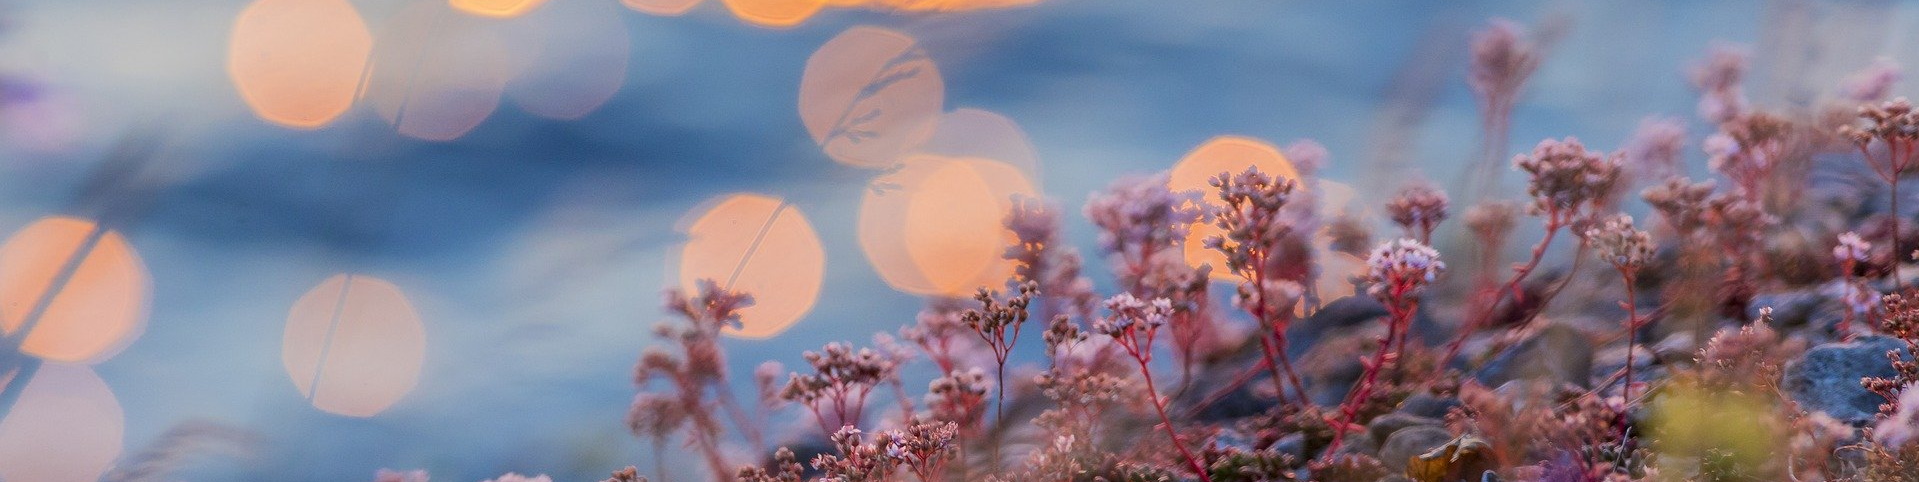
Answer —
1286 366
659 458
999 408
1579 259
1142 353
1401 309
819 418
1272 366
1273 342
1554 221
899 392
1632 341
1244 376
747 426
1892 181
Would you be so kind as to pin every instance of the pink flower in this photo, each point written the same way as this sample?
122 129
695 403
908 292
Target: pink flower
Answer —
1616 241
1566 176
513 477
1871 83
1903 425
385 475
1402 265
1719 78
1129 313
1852 248
1657 148
1502 60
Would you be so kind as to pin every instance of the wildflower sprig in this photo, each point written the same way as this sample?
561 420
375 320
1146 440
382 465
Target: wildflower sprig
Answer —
998 324
1566 182
1256 228
1902 322
841 380
1628 249
1397 272
1142 221
1133 324
1418 208
700 368
1860 299
1894 127
1503 58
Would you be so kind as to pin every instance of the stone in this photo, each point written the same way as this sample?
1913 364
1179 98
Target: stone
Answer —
1826 378
1426 405
1613 359
1359 443
1347 312
1790 309
1384 426
1556 353
1410 442
1293 444
1677 348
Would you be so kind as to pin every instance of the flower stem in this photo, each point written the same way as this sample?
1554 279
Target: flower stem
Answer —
1632 342
1401 310
1554 221
1159 405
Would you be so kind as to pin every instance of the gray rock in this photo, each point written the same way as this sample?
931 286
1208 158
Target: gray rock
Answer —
1790 309
1347 312
1429 406
1333 383
1383 427
1679 347
1359 443
1411 442
1557 353
1294 444
1827 377
1614 359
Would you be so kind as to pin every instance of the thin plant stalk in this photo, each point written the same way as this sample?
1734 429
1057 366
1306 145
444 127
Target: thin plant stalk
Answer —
1400 316
1632 337
1142 354
1555 220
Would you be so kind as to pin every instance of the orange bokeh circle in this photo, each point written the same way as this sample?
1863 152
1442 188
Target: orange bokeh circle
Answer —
353 345
869 96
298 63
759 245
82 285
925 227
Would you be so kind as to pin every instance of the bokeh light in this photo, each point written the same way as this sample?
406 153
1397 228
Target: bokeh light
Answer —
437 73
298 63
788 13
979 133
923 226
496 8
774 13
869 96
353 345
1231 154
577 54
760 245
946 5
661 7
66 427
82 287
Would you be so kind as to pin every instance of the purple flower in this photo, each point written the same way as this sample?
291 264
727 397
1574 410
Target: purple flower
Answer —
1402 265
